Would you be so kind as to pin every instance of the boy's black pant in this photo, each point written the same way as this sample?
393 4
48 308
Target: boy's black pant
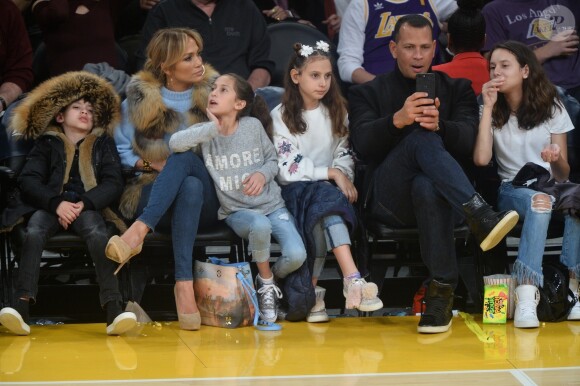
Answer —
90 225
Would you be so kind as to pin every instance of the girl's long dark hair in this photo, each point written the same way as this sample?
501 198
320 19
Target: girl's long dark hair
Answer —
255 105
539 96
292 100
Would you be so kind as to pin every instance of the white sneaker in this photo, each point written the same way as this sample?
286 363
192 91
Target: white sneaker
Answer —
575 311
361 295
122 323
11 319
268 295
318 313
527 299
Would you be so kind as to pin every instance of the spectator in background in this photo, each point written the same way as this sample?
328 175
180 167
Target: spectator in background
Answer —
367 30
277 10
77 32
548 27
234 32
466 37
15 63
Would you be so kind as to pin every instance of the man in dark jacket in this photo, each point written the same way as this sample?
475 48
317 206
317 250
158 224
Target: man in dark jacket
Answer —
415 142
71 176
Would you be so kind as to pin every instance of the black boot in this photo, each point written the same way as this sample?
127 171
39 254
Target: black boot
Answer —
118 322
438 304
16 319
488 226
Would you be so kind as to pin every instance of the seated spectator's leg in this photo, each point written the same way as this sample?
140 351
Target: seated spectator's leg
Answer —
271 94
320 251
41 226
90 225
291 244
358 293
571 258
257 229
536 210
435 221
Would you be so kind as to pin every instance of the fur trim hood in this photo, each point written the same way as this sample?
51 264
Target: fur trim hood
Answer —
35 115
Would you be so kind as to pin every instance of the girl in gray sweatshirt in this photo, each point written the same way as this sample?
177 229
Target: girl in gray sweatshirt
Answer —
243 163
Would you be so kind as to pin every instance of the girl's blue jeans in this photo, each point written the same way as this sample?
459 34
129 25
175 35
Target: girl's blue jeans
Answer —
528 266
258 229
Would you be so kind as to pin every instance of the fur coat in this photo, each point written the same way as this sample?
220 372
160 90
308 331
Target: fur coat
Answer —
152 120
34 119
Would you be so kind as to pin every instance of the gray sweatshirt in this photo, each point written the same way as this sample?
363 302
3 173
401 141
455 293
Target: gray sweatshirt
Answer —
230 159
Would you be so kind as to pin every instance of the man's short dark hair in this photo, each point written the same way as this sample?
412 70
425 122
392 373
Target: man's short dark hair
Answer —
414 20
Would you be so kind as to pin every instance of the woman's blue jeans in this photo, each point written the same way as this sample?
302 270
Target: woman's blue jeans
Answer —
183 197
258 229
528 266
421 185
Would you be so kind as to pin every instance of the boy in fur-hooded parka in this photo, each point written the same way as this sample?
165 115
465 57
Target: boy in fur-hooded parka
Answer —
71 176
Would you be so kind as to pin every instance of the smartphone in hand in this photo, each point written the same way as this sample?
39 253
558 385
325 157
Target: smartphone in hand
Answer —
426 83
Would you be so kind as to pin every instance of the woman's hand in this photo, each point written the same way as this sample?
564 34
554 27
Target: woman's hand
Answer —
490 89
254 184
344 184
551 153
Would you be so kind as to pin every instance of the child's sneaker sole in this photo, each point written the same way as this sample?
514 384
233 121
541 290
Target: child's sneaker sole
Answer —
317 317
122 323
11 319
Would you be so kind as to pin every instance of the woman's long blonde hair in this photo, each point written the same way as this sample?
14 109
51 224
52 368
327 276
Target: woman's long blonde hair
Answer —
166 48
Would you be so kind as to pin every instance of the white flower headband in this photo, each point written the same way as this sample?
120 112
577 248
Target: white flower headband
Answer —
307 50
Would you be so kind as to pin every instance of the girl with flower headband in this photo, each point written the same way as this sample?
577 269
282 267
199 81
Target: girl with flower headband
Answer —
317 171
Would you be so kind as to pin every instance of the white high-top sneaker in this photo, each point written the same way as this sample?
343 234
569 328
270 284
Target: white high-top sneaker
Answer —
318 313
575 312
527 299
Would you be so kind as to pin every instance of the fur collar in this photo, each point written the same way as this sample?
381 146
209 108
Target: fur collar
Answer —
152 119
35 115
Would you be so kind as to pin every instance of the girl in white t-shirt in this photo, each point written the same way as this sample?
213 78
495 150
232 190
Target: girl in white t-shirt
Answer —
311 138
523 120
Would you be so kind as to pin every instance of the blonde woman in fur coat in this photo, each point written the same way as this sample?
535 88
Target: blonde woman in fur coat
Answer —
70 178
169 95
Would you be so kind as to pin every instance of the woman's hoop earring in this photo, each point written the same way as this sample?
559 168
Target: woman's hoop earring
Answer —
203 73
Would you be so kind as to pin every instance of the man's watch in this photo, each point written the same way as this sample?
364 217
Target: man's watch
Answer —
147 166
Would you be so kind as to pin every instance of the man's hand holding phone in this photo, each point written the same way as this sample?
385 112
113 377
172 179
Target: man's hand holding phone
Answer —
421 107
426 87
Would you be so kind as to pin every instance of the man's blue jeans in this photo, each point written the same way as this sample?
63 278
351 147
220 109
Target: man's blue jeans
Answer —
258 229
90 226
183 195
528 266
419 184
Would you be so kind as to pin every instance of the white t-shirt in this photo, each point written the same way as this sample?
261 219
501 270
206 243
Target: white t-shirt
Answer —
514 147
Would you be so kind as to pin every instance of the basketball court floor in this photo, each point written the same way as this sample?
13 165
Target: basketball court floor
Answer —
347 351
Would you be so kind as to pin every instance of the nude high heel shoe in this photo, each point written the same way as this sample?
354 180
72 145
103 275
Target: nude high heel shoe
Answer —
118 250
191 322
